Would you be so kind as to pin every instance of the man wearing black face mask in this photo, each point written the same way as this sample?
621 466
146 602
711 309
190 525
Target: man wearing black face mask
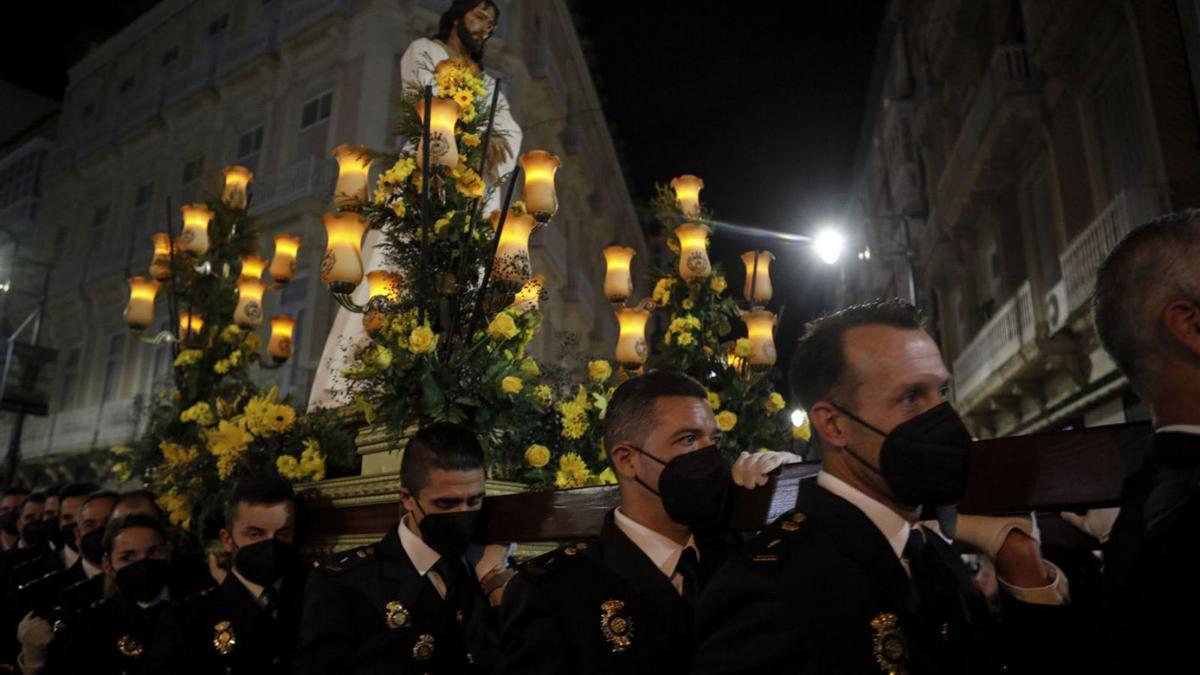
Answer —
33 556
249 623
118 634
414 602
626 602
10 513
848 582
37 593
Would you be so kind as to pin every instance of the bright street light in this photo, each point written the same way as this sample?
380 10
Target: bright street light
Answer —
799 417
829 244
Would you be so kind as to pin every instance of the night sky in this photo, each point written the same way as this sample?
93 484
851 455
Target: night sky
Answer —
763 101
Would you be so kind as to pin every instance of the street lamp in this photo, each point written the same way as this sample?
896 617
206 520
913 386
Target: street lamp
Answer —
828 245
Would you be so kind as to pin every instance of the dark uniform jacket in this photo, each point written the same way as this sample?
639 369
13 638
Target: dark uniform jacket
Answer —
1151 585
822 591
601 607
368 610
26 594
224 630
114 636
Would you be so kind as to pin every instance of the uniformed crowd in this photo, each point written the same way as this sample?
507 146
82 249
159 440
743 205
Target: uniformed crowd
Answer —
865 575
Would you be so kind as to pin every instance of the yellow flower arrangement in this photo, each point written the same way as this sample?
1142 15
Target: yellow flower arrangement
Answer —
511 385
572 472
178 510
537 456
422 340
714 400
199 413
774 403
662 291
469 184
176 455
264 417
743 348
188 357
530 368
599 371
542 395
718 284
471 140
726 420
231 333
503 327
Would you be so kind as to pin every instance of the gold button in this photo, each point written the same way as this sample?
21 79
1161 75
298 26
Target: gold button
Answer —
571 550
789 526
799 517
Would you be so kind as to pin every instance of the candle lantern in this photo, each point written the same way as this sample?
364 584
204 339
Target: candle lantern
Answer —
283 265
249 310
512 252
353 166
539 167
280 345
760 324
237 180
693 251
530 295
384 285
687 194
632 348
160 264
618 284
341 269
253 266
194 239
758 277
190 325
139 313
443 115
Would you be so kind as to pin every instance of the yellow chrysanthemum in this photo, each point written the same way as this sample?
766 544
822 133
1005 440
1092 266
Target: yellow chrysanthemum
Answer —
470 184
511 385
685 339
422 340
231 333
662 291
774 403
718 284
503 327
599 371
537 456
726 420
187 357
199 413
572 472
471 140
688 304
463 98
312 462
265 418
714 400
542 395
288 467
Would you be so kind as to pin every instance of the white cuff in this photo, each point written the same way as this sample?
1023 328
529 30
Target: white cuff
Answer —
1057 592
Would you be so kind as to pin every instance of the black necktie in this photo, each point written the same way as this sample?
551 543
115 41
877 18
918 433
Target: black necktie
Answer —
457 580
688 568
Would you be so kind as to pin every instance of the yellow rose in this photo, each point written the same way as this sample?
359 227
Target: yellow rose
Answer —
511 385
726 420
743 348
529 368
537 456
774 403
718 284
383 357
599 371
503 327
714 400
422 340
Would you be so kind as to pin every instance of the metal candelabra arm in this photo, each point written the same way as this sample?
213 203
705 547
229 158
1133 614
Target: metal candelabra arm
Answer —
347 300
166 337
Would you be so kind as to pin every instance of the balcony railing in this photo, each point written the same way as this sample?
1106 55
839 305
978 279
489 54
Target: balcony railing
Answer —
1009 74
309 177
1013 326
1082 257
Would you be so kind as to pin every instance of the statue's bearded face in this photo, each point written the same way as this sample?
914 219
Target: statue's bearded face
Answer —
476 26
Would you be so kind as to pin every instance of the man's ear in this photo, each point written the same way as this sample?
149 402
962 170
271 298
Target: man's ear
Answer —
407 500
827 422
106 564
226 540
1182 322
623 459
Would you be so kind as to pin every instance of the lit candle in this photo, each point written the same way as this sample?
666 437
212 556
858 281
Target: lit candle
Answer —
539 167
280 345
512 253
342 268
530 295
249 311
139 313
194 239
237 179
443 115
384 285
687 194
190 324
253 266
160 264
693 251
758 277
760 324
618 284
353 166
283 265
632 349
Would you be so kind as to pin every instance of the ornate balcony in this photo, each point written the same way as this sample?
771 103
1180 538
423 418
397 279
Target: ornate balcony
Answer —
1013 326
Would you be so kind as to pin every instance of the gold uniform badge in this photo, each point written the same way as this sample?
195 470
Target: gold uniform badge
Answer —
130 647
423 650
616 625
890 645
223 638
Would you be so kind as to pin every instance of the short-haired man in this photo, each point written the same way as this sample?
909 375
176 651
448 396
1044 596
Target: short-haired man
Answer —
848 582
1147 315
249 623
627 601
94 516
32 557
10 513
414 602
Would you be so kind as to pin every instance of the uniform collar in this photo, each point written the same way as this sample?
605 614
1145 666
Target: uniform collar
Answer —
660 549
890 524
69 557
89 570
422 556
1179 429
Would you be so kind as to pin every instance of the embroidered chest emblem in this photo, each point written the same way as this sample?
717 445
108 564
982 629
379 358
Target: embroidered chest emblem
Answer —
423 650
397 615
616 625
224 639
890 645
130 647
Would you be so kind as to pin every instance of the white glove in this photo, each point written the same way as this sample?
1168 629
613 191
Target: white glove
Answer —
34 634
750 471
987 533
1096 522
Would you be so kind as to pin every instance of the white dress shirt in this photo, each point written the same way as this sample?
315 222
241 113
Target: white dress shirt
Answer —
69 556
1180 429
895 529
422 556
660 549
89 570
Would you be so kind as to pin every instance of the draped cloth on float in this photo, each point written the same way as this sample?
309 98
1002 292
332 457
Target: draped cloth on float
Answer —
347 335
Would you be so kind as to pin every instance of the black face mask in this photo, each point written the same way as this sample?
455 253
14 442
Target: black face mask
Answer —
925 460
91 546
35 535
8 524
448 533
144 580
66 534
694 487
265 562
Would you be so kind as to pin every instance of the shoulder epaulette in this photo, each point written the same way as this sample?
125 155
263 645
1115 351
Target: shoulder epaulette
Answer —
347 560
777 542
547 564
38 580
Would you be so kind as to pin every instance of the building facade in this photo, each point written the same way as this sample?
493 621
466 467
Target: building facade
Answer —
1009 145
152 116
